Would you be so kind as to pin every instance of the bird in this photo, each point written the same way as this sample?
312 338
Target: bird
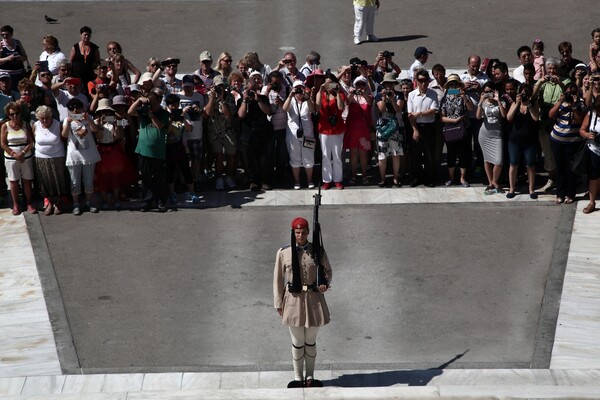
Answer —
50 20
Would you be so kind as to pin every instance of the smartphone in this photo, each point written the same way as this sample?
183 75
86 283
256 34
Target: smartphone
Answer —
109 119
77 117
331 86
453 91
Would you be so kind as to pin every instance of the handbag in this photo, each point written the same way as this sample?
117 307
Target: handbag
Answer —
581 160
454 132
386 127
309 143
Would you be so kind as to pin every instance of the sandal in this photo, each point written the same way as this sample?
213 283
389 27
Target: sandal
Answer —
559 200
16 211
569 200
381 184
590 208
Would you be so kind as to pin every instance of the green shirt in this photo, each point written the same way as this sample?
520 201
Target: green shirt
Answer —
152 141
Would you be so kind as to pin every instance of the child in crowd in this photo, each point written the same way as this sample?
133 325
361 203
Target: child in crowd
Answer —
594 47
539 61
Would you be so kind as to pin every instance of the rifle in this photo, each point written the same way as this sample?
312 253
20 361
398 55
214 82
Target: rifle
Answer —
318 241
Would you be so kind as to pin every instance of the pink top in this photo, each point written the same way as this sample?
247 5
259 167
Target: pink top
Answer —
538 63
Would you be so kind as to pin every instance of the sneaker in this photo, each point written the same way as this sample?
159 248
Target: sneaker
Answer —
195 198
372 38
49 210
173 199
297 186
145 207
365 181
548 186
448 183
93 210
326 186
76 209
311 185
220 185
266 186
356 40
254 187
162 208
229 182
339 185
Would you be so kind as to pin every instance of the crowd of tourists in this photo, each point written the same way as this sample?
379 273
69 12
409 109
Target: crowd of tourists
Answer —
84 130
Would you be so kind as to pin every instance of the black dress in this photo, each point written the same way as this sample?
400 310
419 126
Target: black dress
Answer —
83 66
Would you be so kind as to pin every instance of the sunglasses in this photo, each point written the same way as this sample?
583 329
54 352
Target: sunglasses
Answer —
227 61
422 80
155 65
112 49
45 75
172 66
13 114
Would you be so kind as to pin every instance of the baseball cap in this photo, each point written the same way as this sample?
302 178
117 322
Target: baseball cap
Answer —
205 56
421 51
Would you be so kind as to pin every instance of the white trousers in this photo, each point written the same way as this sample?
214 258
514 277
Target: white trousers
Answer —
332 147
364 20
304 351
300 156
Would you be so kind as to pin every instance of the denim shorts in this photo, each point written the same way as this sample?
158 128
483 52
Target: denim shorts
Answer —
517 151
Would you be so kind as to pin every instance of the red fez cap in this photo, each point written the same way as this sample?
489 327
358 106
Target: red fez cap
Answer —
299 223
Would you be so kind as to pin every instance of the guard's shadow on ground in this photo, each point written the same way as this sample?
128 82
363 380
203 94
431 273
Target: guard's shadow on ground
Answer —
405 38
417 377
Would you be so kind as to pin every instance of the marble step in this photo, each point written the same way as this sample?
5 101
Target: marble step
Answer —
332 393
340 384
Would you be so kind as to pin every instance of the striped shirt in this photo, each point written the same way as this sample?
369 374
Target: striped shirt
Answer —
565 130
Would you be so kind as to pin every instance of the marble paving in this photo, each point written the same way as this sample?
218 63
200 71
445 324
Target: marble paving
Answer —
27 346
577 340
30 368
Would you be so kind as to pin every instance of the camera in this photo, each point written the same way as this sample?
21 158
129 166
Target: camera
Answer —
144 109
122 122
276 86
387 53
300 133
298 91
596 79
109 119
332 120
251 94
524 97
219 90
568 98
288 61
